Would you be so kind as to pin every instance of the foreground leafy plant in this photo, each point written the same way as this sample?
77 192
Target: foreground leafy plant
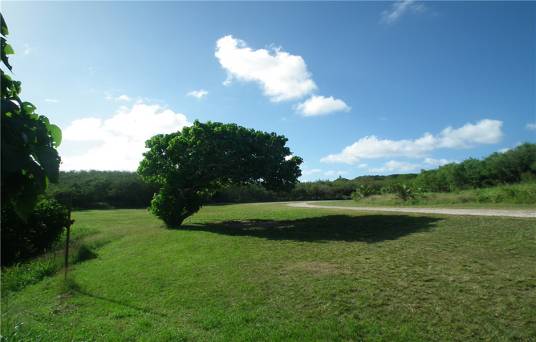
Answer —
190 165
29 162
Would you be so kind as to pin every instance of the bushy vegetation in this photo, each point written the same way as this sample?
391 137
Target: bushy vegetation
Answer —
102 190
507 196
116 189
30 161
23 238
513 166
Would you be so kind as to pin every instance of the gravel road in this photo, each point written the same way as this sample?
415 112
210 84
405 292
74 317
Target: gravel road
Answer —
443 211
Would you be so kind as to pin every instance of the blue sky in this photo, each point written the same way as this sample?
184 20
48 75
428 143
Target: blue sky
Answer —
357 87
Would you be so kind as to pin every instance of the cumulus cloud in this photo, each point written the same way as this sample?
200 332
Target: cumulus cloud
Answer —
117 143
531 126
483 132
321 105
281 75
198 94
400 8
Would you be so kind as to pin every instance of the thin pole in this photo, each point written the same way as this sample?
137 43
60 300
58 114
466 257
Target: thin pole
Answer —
67 238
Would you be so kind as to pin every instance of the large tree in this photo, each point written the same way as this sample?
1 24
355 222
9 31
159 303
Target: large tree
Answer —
190 165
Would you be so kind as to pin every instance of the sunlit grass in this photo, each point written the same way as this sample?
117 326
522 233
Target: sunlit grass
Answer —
271 272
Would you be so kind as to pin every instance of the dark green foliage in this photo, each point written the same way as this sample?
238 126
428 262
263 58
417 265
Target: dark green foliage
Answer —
189 166
29 142
29 162
102 190
31 236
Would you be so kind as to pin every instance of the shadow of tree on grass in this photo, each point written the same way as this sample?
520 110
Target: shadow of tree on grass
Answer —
366 228
73 286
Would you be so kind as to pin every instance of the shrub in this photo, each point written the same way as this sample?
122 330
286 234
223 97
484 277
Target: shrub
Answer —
363 191
405 192
22 239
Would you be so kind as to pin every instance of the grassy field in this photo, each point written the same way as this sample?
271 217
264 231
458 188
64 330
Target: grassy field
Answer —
270 272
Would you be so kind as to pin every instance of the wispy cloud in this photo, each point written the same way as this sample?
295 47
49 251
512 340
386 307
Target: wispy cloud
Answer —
52 100
120 98
198 94
485 131
27 49
399 9
531 126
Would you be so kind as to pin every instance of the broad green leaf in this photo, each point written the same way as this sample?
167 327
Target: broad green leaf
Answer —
55 133
8 50
28 108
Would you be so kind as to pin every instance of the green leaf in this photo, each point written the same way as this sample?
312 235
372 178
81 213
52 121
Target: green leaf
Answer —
8 50
55 133
28 108
3 26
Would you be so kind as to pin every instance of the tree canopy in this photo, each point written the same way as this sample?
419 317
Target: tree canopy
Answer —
188 166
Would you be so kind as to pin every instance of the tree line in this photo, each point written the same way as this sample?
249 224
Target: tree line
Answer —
115 189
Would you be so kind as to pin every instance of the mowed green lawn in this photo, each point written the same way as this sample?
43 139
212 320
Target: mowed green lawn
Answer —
257 272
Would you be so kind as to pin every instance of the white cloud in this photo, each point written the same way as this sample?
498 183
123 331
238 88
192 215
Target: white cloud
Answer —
483 132
438 162
52 100
281 75
394 166
321 105
120 98
117 143
399 8
531 126
198 94
309 172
